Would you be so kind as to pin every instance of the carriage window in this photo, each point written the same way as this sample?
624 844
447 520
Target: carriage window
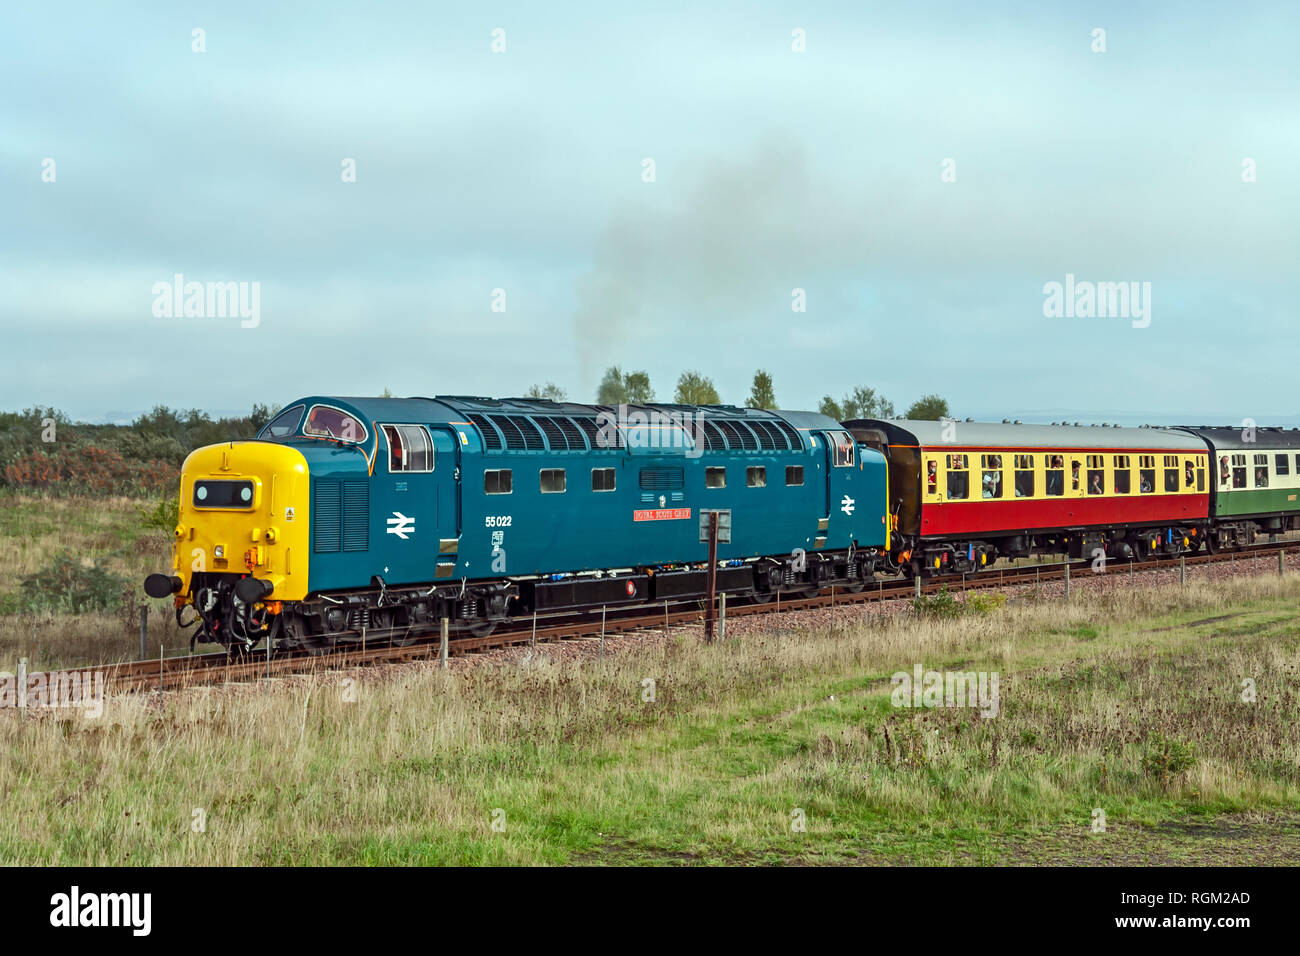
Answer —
991 479
552 480
1147 474
1055 475
325 421
756 476
958 478
602 479
1074 474
794 475
283 425
843 449
498 482
1200 479
1096 475
409 448
1024 475
1261 471
1239 471
1281 464
1123 477
1171 479
715 477
931 477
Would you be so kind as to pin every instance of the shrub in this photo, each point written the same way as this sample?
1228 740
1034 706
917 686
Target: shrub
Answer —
163 516
939 605
1166 756
68 585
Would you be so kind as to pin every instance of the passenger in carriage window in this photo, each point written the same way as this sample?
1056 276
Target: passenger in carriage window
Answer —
1074 475
1190 473
1147 485
1094 486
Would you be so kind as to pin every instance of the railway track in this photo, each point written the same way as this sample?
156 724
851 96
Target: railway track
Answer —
193 670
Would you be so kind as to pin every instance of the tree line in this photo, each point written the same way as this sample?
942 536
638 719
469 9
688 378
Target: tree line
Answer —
43 449
693 388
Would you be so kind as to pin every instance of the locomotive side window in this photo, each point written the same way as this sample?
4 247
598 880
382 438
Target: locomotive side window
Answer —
715 477
756 476
793 475
958 478
1123 477
1024 476
409 448
498 482
1261 471
553 481
991 480
325 421
1096 475
602 479
283 425
1055 474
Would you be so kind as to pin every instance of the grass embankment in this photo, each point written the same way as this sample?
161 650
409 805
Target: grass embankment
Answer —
34 532
1128 703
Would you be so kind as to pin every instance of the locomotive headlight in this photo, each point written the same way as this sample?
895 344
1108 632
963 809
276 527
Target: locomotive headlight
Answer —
219 551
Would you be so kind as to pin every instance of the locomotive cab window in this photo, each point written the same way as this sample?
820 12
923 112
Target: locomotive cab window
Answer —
283 425
756 476
498 482
1024 476
843 452
602 479
715 477
552 481
224 494
793 475
326 421
409 448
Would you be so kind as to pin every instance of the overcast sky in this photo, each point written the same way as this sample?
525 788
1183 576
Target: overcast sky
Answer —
774 170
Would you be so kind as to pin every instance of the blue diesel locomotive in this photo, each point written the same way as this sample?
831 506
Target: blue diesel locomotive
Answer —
349 516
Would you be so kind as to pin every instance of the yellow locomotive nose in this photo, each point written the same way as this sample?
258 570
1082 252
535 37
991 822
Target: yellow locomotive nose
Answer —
244 509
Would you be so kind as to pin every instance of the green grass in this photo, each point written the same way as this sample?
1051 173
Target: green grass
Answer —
1118 701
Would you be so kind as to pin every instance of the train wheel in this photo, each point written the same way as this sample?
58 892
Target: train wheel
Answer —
761 597
481 628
